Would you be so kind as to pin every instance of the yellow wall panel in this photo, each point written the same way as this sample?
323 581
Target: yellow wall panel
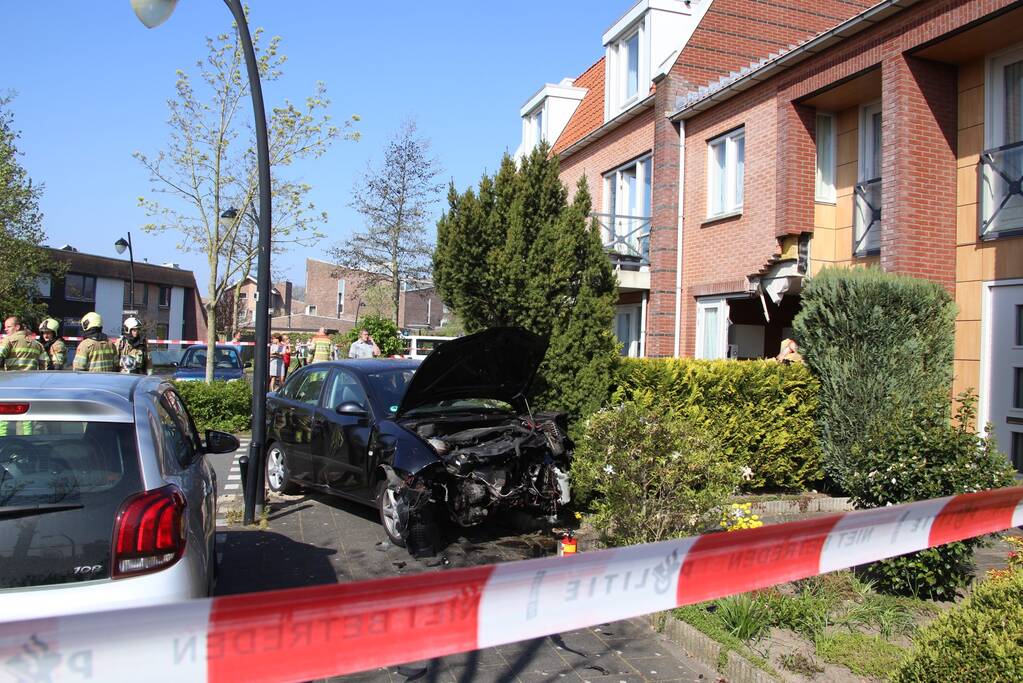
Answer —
971 75
967 340
966 185
967 375
971 107
966 224
824 216
970 145
968 299
969 264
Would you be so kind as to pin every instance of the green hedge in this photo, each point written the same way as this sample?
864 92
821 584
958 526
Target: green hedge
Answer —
979 640
762 412
226 406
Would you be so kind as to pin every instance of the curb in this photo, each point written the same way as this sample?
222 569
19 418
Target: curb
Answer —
707 651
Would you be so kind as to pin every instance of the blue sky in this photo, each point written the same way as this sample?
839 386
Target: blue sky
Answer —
92 85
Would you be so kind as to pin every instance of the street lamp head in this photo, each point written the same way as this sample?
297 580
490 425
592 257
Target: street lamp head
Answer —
120 245
230 214
152 13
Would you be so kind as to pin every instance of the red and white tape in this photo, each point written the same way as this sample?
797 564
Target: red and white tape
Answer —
177 341
307 633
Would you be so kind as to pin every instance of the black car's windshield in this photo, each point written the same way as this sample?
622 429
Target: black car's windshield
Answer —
389 387
223 358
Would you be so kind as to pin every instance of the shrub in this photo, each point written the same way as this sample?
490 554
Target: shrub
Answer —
979 640
918 456
745 616
762 412
880 345
226 406
654 474
383 331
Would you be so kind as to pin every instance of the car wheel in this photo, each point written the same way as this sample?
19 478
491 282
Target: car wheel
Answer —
278 475
421 536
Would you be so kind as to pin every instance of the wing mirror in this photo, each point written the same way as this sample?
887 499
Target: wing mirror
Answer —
248 363
353 408
220 442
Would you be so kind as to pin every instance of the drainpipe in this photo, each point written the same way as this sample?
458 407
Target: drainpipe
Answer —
678 243
642 324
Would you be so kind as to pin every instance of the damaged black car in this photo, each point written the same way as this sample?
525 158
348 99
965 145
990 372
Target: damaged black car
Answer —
452 437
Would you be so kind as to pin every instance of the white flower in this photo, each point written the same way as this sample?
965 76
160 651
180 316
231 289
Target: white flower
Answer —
893 480
676 455
747 473
609 469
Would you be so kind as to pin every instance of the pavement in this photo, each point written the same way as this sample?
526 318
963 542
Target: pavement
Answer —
317 539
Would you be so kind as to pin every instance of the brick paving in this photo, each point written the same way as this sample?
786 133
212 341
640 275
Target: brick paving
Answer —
314 539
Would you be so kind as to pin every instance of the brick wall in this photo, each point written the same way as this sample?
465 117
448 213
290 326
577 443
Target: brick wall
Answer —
631 140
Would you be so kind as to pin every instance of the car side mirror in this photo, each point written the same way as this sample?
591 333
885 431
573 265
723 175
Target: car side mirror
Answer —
248 363
220 442
174 363
353 408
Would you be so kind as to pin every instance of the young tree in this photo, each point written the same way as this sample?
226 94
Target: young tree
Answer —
515 252
209 166
21 228
394 199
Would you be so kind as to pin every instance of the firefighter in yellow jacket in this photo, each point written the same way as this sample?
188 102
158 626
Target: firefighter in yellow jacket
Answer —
96 353
53 344
19 349
321 346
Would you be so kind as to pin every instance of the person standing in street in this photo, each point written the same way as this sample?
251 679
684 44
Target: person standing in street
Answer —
321 345
364 346
276 362
19 349
286 340
96 353
53 344
133 349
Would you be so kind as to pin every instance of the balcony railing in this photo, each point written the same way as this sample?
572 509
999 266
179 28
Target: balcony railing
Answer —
625 238
1001 194
867 218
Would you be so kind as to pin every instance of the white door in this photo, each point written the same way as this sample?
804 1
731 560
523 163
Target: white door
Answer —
1002 394
627 329
712 327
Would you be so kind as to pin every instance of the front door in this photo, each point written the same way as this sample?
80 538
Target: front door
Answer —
341 450
1003 381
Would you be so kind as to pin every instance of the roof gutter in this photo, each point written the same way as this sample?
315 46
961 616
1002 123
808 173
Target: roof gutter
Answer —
779 63
623 118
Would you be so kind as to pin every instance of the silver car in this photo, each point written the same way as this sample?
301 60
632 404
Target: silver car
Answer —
106 500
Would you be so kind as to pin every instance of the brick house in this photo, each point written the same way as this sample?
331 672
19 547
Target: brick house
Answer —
166 297
334 299
892 138
281 300
618 138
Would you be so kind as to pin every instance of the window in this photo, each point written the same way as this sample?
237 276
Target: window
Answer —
727 164
627 70
1002 162
1017 389
141 294
43 286
161 330
165 296
344 388
870 142
1019 325
79 287
175 439
292 384
536 126
825 190
1017 451
867 199
309 392
627 193
242 296
310 309
340 297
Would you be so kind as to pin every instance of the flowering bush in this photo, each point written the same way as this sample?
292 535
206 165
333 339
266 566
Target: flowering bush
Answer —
740 516
1015 560
652 474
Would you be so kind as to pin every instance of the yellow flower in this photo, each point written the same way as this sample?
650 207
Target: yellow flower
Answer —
578 515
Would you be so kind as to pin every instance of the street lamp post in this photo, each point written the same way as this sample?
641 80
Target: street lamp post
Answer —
152 13
120 245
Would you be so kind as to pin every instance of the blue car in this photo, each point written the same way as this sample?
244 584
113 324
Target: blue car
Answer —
227 364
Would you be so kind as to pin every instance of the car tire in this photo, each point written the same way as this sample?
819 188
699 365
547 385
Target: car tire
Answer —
278 474
423 534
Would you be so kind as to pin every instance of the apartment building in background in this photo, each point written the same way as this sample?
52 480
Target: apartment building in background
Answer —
609 125
166 297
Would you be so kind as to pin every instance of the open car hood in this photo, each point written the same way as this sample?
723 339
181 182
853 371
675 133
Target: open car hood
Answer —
498 363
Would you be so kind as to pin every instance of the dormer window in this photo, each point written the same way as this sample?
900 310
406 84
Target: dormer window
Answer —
627 70
536 126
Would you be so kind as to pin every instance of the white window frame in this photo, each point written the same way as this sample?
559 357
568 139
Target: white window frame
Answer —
866 140
702 304
310 309
823 192
617 69
994 89
340 297
732 180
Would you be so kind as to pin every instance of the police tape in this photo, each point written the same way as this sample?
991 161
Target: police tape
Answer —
176 341
307 633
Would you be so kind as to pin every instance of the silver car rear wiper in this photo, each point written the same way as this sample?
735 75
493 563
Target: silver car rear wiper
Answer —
14 511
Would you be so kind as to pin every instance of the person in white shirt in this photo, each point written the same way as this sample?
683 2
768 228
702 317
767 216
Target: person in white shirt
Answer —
364 346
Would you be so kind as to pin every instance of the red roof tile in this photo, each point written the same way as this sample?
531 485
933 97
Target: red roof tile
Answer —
589 115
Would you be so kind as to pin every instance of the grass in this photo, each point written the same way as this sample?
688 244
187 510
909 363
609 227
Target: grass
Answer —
711 626
862 654
797 662
747 617
233 516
